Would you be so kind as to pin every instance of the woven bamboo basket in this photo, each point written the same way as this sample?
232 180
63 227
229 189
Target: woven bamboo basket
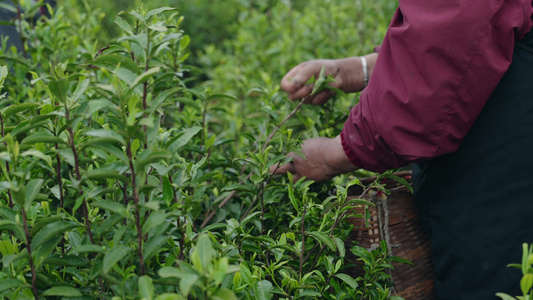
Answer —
394 219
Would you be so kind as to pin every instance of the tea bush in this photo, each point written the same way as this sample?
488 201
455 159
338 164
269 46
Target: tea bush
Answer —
266 45
121 181
526 283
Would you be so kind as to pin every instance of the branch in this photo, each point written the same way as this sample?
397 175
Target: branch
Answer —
269 138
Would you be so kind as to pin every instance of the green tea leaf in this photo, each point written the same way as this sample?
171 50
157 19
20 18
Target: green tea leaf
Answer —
105 174
42 138
111 61
112 257
401 260
7 248
355 201
153 245
286 247
294 202
146 288
148 157
204 248
51 230
262 290
144 76
82 86
224 294
169 296
187 282
3 75
7 214
65 260
87 249
505 296
110 148
128 77
9 259
238 187
16 108
59 88
168 191
162 97
401 181
98 104
170 272
32 189
526 283
106 134
123 24
8 284
214 227
39 155
112 207
62 291
340 246
158 11
184 138
348 280
155 219
323 239
41 253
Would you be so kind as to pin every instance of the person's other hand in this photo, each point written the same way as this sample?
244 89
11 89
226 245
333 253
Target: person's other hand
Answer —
347 72
324 159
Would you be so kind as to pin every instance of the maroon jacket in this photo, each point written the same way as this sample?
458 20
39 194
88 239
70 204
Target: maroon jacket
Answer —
438 64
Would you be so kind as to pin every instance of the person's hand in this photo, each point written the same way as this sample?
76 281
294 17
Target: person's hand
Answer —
324 159
347 72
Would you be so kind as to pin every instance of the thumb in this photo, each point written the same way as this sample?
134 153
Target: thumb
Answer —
283 169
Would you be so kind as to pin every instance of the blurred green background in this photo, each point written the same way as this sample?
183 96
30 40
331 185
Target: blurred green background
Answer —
292 30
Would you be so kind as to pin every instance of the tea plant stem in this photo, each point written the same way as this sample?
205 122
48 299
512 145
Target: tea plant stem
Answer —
30 258
9 192
259 196
10 203
59 181
226 200
137 210
293 112
125 199
332 229
21 34
145 85
302 250
269 138
78 177
60 187
182 237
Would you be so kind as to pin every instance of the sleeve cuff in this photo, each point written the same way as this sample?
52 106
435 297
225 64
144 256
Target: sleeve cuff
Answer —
349 153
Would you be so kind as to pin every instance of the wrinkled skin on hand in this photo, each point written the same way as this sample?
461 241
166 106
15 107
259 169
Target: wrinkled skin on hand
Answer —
295 81
324 159
347 72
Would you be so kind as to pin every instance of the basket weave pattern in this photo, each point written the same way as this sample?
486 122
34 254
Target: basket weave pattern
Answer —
394 219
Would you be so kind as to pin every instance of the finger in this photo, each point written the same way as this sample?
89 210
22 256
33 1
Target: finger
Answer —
304 91
306 71
322 97
283 169
289 83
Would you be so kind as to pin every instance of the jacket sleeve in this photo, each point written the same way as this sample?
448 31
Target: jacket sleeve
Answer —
437 66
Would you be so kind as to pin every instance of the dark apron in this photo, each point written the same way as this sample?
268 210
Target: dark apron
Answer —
477 203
